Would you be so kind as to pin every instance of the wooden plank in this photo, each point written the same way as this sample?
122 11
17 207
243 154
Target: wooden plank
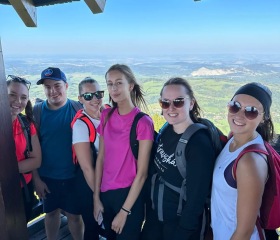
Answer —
36 229
12 211
26 10
96 6
3 230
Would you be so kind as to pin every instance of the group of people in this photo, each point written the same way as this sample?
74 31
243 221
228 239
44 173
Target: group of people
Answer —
106 184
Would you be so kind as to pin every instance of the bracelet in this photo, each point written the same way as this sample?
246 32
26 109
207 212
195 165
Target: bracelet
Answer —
127 211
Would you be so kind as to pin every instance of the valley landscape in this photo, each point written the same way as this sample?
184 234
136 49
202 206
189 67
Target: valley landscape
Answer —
214 78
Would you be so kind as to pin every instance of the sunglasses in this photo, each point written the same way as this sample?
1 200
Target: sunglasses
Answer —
250 112
88 96
177 103
20 80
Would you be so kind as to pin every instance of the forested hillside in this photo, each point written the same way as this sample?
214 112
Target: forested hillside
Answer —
214 78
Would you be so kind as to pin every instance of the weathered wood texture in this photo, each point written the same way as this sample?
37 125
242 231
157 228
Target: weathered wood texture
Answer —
12 218
26 10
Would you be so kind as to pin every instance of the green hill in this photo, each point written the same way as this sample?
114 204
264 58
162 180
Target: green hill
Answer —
211 94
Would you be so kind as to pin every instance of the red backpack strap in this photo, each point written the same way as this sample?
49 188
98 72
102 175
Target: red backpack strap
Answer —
91 128
78 115
105 106
251 148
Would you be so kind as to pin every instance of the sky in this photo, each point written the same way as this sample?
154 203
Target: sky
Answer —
148 27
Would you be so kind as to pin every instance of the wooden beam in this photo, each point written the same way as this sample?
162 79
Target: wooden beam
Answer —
96 6
3 231
12 217
26 10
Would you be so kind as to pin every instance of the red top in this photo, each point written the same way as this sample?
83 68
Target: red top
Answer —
20 143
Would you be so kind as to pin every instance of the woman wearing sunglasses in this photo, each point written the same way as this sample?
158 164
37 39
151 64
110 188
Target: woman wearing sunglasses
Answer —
180 109
29 158
86 150
235 203
119 176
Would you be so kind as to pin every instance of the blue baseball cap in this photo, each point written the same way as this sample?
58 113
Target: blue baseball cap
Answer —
52 73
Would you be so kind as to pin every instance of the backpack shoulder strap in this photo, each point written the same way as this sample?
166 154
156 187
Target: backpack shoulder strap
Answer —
107 105
91 128
181 146
215 135
251 148
76 105
161 131
37 110
78 115
25 125
134 144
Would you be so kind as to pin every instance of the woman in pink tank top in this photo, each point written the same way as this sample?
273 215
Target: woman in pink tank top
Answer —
119 176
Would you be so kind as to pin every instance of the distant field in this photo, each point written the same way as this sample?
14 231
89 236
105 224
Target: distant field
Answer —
214 78
211 94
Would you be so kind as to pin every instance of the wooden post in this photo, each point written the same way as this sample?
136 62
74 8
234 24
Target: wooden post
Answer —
12 217
96 6
26 10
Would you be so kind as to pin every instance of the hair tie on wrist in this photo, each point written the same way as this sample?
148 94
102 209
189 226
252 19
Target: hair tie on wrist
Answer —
127 211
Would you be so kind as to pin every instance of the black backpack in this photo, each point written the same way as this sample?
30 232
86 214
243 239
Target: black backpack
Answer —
134 144
25 125
218 140
37 109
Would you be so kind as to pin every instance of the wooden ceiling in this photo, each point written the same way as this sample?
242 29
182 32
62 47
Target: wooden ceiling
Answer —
26 9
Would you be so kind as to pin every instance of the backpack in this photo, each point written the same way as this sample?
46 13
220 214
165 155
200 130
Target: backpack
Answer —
134 143
270 208
37 109
25 125
218 141
91 133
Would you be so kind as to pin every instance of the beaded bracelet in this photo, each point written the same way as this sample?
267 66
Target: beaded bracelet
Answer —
127 211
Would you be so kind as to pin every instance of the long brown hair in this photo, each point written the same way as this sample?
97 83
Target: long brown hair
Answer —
137 94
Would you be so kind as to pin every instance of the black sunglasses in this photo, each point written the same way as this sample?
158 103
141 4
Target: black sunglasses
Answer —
88 96
14 78
250 112
177 103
